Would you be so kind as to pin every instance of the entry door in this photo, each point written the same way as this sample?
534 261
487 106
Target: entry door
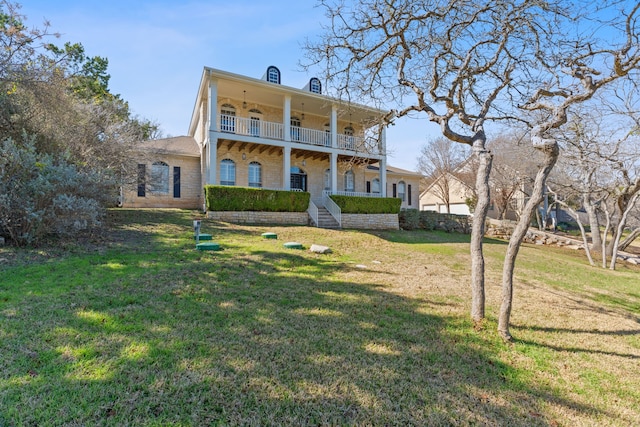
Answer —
299 181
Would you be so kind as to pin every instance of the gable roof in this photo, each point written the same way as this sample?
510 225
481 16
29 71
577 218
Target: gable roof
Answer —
393 169
179 145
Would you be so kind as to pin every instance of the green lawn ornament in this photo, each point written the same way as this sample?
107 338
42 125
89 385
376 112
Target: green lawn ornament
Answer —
269 235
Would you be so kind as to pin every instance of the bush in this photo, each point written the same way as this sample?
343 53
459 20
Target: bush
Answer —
411 219
227 198
367 205
43 194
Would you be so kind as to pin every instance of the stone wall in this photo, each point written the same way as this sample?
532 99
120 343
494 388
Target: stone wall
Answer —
284 218
370 222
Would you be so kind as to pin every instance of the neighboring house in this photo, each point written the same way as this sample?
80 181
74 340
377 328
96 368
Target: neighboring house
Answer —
431 198
259 133
460 193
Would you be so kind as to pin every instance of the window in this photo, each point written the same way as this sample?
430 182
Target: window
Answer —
401 190
255 174
227 172
142 178
176 182
254 122
295 128
228 118
273 75
315 86
159 178
327 179
349 181
375 185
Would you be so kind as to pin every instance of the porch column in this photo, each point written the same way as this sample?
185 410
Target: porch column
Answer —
383 161
333 125
334 173
286 168
212 140
286 117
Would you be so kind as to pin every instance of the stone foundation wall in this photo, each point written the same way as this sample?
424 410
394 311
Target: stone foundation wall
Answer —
284 218
370 222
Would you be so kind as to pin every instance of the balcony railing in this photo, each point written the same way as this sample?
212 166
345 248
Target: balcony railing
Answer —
275 131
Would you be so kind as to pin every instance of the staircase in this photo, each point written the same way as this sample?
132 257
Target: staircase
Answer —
325 219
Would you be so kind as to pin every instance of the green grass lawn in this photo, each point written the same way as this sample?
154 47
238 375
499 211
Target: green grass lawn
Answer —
135 327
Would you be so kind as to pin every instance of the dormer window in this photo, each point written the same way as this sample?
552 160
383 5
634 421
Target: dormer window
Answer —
273 75
315 86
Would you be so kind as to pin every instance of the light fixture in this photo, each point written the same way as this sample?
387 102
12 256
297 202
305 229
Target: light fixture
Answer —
304 162
244 156
302 115
244 99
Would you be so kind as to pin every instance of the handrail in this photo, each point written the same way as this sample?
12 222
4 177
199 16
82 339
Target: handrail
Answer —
356 194
313 212
332 207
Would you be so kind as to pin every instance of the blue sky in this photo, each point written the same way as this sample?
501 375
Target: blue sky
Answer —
157 50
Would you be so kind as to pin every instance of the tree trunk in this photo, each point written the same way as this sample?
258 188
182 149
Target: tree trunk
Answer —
551 156
623 222
629 239
477 233
594 223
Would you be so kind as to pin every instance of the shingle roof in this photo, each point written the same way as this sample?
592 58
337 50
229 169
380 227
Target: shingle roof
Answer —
180 145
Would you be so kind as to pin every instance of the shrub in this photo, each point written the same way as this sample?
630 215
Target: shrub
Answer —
227 198
367 205
409 219
43 194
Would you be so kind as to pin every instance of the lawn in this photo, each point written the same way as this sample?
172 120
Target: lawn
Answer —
133 326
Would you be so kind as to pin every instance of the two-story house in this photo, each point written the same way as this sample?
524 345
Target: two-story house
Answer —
254 132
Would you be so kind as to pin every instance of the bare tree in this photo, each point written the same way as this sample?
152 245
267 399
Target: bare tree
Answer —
438 163
454 61
579 67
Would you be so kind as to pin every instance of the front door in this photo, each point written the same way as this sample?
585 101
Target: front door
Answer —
298 179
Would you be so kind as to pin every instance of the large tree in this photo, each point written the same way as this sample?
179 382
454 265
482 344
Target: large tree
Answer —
61 126
590 55
457 62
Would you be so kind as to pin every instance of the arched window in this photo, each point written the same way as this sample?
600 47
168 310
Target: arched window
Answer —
254 122
227 172
228 118
273 75
375 185
159 178
327 179
401 190
315 86
349 181
255 174
295 128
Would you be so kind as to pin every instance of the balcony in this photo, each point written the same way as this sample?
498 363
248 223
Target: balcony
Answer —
275 131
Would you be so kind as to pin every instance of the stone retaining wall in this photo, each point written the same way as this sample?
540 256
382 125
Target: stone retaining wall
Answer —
284 218
370 221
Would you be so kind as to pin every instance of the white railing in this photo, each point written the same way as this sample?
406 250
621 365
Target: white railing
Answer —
313 212
353 193
310 136
333 209
272 130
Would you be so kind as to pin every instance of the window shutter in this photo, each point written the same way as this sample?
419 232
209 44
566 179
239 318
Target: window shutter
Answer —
409 193
368 186
142 174
395 191
176 182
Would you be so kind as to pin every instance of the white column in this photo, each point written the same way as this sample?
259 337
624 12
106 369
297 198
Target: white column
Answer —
212 127
334 173
333 124
383 161
286 166
286 117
